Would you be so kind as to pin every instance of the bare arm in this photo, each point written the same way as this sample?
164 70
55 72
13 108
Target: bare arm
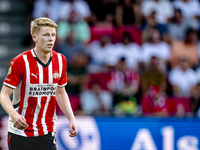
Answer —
19 121
63 102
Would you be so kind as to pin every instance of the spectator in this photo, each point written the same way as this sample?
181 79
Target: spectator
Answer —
153 77
127 106
79 6
102 8
70 46
77 74
187 48
100 53
138 13
190 9
198 73
154 102
198 43
124 81
125 13
163 9
151 24
74 24
157 103
155 47
178 26
96 101
183 78
46 8
195 99
129 50
101 28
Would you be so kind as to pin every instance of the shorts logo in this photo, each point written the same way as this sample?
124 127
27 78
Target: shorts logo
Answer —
54 137
9 139
9 71
56 75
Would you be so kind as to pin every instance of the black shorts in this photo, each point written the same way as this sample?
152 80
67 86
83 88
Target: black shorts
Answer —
45 142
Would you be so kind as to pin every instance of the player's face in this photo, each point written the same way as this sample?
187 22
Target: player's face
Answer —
45 38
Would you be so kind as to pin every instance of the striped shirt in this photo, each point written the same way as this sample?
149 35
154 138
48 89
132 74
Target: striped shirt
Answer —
35 85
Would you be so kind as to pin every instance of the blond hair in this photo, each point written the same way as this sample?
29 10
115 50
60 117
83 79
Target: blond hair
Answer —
42 21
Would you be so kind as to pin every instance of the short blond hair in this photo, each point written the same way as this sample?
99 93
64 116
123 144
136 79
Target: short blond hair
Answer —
42 21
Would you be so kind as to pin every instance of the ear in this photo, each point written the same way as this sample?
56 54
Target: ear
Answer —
34 37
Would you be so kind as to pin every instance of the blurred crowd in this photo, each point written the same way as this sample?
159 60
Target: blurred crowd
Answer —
128 57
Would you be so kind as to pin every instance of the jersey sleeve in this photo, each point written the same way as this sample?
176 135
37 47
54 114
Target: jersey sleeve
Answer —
14 74
63 79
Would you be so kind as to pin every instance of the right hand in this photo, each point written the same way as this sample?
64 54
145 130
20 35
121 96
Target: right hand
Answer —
73 125
19 121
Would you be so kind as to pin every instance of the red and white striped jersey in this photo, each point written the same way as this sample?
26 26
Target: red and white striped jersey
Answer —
35 85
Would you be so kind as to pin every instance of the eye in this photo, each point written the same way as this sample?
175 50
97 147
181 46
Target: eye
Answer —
46 34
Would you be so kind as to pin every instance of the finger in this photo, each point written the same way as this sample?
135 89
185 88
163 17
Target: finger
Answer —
17 125
21 128
70 129
72 135
23 123
76 130
23 119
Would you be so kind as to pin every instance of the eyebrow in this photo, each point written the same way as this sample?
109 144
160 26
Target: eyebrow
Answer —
49 32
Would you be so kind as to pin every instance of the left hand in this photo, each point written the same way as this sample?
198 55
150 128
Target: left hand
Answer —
73 128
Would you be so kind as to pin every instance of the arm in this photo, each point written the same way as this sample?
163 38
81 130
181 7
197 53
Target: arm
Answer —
19 120
63 102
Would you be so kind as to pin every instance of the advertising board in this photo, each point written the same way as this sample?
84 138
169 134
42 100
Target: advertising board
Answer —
124 133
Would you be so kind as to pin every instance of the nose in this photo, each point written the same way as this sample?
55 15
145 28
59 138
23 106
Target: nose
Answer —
51 38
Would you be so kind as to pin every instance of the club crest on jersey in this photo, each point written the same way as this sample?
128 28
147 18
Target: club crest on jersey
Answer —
9 70
56 75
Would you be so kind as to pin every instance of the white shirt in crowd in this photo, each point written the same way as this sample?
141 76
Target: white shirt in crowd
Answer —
183 79
100 56
160 50
198 74
41 8
189 9
163 8
130 52
111 53
89 101
79 6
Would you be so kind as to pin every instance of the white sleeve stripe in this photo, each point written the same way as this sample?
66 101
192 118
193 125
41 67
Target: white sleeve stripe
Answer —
62 85
60 64
11 86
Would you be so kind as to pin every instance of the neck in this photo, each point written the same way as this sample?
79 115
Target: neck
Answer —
184 69
43 56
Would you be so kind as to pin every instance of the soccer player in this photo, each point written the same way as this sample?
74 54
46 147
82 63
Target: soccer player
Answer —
36 78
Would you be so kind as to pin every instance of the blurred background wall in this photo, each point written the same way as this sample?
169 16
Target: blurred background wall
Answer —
126 59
